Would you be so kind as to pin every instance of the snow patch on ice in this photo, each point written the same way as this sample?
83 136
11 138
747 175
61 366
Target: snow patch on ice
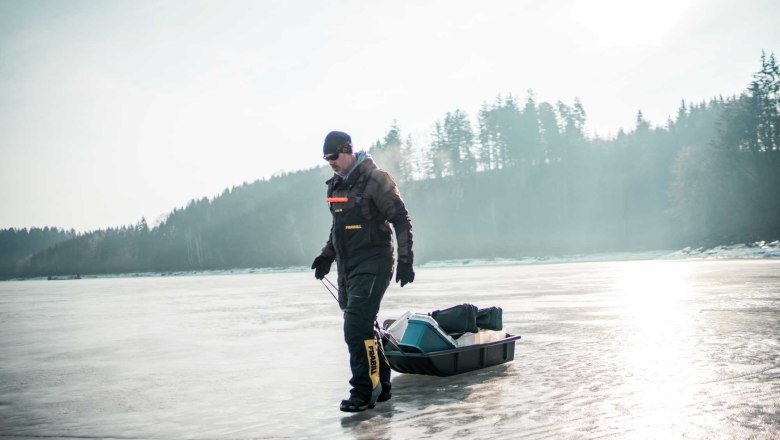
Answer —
575 258
757 250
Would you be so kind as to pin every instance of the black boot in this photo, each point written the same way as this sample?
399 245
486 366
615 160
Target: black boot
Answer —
384 396
355 404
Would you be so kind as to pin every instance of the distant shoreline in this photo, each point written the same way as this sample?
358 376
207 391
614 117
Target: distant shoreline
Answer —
752 251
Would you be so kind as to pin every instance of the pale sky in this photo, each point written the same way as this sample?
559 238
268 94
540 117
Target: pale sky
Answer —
114 110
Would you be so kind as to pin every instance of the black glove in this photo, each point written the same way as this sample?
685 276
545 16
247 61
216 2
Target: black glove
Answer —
321 266
404 273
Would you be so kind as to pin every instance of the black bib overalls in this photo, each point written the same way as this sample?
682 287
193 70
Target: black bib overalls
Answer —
365 268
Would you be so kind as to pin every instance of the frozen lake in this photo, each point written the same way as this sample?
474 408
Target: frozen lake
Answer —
642 349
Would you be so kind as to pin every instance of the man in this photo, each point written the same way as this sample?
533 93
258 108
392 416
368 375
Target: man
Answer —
363 200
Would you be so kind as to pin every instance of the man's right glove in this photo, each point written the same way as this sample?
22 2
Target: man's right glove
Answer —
404 273
321 266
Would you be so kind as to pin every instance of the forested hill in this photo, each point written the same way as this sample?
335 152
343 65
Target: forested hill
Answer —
521 178
18 245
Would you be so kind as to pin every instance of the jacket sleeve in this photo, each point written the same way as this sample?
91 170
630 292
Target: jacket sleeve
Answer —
390 204
329 251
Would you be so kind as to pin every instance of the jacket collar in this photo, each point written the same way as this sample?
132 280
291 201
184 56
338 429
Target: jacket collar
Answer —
363 164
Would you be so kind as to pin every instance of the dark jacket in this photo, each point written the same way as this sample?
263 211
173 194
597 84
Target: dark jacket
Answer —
361 224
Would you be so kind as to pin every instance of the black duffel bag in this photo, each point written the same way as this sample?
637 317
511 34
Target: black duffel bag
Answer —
490 318
457 320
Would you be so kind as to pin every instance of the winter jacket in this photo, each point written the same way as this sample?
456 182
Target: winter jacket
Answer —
361 223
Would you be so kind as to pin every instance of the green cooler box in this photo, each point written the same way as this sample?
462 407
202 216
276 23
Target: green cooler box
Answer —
423 335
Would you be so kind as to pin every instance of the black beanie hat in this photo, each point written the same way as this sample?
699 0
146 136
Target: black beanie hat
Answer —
337 142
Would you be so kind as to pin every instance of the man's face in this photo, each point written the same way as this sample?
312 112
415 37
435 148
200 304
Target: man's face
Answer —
342 164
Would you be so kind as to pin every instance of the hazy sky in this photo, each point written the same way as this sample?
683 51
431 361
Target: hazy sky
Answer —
114 110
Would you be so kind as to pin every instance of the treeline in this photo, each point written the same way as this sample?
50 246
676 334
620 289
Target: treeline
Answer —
508 135
520 179
268 223
728 190
18 245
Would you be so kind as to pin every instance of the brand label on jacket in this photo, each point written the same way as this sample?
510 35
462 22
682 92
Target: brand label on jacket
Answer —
373 363
354 227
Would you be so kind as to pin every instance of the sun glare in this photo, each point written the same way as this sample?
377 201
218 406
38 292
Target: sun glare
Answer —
656 346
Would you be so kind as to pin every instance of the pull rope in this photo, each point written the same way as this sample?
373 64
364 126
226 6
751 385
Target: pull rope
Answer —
328 288
379 332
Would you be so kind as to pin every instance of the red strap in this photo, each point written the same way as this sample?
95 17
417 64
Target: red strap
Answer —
336 199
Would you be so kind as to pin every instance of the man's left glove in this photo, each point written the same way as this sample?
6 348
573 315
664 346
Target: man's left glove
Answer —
404 273
321 266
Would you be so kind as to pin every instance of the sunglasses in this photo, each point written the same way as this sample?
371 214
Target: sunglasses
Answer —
332 156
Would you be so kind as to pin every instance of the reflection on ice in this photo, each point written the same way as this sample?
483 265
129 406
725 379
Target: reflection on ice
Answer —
640 349
656 346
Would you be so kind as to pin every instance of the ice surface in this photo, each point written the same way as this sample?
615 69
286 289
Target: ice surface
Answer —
637 349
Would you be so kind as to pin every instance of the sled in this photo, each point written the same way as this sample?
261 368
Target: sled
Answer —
424 348
452 361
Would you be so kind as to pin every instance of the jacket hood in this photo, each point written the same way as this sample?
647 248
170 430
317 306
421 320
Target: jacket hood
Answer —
360 156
